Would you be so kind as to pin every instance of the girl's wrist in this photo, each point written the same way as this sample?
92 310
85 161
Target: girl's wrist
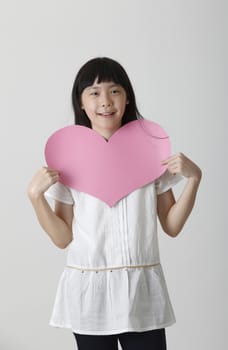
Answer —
34 196
196 178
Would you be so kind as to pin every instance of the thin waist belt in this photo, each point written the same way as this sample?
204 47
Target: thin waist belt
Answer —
112 268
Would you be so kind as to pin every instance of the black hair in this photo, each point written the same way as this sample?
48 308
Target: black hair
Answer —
103 69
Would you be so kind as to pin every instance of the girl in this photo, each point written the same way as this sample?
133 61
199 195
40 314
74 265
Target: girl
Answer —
121 294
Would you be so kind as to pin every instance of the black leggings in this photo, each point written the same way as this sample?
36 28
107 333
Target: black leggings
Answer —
149 340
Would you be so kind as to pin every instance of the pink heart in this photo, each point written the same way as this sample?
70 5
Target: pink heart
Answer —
108 170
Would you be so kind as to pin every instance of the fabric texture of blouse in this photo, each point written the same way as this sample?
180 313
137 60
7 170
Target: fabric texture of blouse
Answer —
113 281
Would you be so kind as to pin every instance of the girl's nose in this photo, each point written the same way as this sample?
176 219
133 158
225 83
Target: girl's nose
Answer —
106 101
106 104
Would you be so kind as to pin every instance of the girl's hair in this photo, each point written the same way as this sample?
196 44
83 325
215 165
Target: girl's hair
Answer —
104 69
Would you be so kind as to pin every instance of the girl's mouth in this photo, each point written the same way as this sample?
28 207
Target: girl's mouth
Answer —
106 114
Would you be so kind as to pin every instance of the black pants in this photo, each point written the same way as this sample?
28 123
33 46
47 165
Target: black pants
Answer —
149 340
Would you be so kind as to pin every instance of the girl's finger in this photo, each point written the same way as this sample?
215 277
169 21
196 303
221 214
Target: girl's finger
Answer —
51 169
172 163
173 157
165 161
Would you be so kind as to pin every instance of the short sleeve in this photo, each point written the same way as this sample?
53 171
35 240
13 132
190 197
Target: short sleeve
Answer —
60 192
167 181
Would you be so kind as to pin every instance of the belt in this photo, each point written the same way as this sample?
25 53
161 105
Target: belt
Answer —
82 269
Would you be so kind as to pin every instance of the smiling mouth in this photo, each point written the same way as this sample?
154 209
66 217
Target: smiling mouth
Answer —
106 115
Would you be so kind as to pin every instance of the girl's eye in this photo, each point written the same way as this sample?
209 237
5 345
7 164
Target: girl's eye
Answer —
94 93
115 91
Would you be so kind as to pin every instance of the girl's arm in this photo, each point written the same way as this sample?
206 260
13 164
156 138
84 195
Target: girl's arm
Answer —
173 214
58 224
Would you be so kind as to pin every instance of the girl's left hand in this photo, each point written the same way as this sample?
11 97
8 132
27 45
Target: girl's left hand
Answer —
180 164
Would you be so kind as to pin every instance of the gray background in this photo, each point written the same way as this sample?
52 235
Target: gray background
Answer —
175 53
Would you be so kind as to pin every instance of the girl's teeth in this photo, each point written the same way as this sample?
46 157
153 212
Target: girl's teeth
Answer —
106 114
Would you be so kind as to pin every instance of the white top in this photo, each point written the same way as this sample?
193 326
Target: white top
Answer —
104 289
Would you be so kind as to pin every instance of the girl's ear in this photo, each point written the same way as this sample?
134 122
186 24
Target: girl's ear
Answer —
81 104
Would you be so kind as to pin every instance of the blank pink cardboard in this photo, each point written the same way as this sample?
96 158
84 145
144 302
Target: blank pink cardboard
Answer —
108 170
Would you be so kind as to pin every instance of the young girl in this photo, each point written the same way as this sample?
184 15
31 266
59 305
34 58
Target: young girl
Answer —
120 293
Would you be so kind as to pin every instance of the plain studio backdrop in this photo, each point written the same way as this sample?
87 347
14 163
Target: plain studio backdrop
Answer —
176 55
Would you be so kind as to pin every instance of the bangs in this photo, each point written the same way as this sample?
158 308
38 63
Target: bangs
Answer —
103 71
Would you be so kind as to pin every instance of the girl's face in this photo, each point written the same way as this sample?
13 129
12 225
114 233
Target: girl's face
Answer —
104 105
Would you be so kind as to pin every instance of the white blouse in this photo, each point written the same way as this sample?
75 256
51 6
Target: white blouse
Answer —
113 281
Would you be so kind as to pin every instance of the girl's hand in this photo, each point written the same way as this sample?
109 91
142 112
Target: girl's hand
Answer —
180 164
42 180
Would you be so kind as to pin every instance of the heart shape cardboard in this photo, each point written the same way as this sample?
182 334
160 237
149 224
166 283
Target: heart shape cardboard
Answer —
108 170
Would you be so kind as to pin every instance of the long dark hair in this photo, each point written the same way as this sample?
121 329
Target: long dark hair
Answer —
103 69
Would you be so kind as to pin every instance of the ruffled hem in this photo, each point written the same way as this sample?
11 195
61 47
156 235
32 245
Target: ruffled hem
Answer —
110 303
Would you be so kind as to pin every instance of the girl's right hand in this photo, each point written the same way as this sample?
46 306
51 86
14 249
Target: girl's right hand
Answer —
42 180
